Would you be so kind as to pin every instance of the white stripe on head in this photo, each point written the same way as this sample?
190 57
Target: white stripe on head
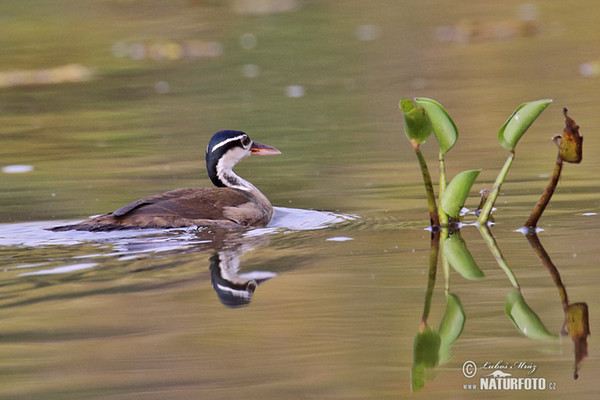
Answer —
224 142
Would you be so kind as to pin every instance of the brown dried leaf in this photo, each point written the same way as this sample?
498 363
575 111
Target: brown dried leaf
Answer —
571 143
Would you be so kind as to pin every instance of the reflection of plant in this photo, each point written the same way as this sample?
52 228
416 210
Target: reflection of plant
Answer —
431 347
577 323
521 315
524 318
459 257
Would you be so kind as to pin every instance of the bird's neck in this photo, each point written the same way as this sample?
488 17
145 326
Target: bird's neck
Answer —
232 180
221 172
224 176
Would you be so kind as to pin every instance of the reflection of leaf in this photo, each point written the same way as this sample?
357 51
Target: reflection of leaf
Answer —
417 377
579 329
443 127
516 125
453 321
457 192
417 125
426 346
459 257
524 318
451 326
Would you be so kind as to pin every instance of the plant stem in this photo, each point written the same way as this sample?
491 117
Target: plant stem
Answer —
445 263
539 208
433 213
444 220
493 246
489 204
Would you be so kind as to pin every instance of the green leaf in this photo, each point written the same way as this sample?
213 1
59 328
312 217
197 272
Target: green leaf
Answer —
457 191
451 326
417 125
516 125
459 257
524 318
443 127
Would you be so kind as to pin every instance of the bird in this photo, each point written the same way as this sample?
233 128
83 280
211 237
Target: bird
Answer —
233 202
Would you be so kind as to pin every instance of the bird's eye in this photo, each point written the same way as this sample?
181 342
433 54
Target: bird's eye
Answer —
246 141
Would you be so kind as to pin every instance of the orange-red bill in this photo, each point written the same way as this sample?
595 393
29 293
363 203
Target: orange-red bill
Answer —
263 149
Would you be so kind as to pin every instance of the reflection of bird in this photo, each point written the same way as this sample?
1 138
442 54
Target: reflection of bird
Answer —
234 202
234 289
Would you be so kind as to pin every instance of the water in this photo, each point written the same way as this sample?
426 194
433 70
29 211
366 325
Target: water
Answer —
108 102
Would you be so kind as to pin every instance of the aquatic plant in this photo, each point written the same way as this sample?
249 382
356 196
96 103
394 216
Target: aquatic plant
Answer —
417 128
427 116
508 136
446 135
432 347
570 149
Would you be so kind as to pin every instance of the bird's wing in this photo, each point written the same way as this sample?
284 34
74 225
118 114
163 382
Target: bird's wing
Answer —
146 201
189 203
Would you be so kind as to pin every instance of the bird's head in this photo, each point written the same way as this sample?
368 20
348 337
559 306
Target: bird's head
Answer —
226 148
